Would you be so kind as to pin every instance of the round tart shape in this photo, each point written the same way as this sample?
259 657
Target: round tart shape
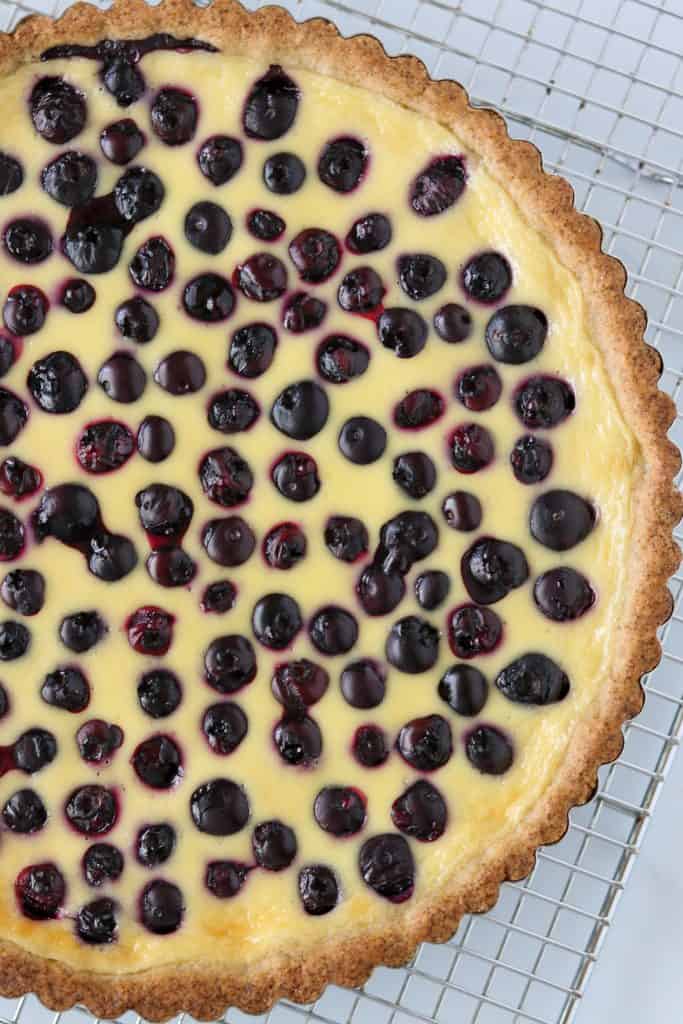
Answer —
294 699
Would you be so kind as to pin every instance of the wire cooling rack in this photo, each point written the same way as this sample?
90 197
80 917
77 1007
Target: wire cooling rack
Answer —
599 89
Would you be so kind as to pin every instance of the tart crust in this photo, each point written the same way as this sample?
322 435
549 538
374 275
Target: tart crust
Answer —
616 324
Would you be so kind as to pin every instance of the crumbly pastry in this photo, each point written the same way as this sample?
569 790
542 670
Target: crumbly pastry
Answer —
337 507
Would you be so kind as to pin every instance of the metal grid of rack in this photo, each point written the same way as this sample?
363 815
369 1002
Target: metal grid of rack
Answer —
599 89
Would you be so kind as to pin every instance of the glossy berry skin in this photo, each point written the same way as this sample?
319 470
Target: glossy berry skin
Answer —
8 354
102 863
34 750
531 459
97 741
271 106
302 312
380 591
543 402
361 291
40 891
58 110
340 810
421 275
412 645
228 542
406 539
432 588
165 512
489 750
426 743
471 448
316 254
346 538
533 679
208 298
453 323
159 693
155 845
27 240
276 620
149 630
516 334
403 331
438 186
563 594
362 440
473 631
23 590
229 663
219 808
486 277
153 265
68 512
13 416
66 688
12 536
492 568
262 277
318 889
419 409
295 475
138 194
284 546
301 410
370 233
226 477
420 812
162 907
225 878
96 922
224 726
341 359
174 116
137 320
386 865
465 689
233 411
560 520
220 158
70 179
370 747
252 349
82 630
284 173
363 683
342 164
180 373
92 810
333 630
298 741
57 383
274 845
266 225
121 141
77 296
171 567
208 227
414 473
104 447
157 762
111 556
478 388
122 378
298 685
219 597
24 812
11 174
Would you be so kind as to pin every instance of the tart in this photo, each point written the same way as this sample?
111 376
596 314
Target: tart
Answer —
337 508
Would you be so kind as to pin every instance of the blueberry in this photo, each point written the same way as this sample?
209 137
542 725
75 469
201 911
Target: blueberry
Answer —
438 186
18 479
24 812
341 359
405 539
13 416
57 382
421 275
164 511
471 448
122 378
362 440
492 568
370 747
104 446
295 476
180 373
544 402
149 630
208 227
420 812
370 233
361 291
121 141
426 743
301 410
346 538
473 631
225 878
274 845
271 105
284 173
516 334
12 536
262 277
138 194
316 254
156 438
77 296
533 679
380 591
15 640
11 174
298 740
561 519
432 588
162 907
333 630
229 663
252 349
340 810
171 567
23 590
276 620
8 354
34 750
155 844
318 889
24 310
174 116
70 178
58 110
224 725
27 240
94 237
219 808
66 688
40 891
229 541
403 331
92 810
96 922
478 388
343 163
137 320
386 865
363 683
531 459
462 511
159 693
303 312
299 684
415 474
465 689
486 277
266 225
98 740
226 477
157 762
453 323
412 645
123 80
4 702
489 750
153 265
563 594
284 546
102 863
419 409
68 512
220 158
112 556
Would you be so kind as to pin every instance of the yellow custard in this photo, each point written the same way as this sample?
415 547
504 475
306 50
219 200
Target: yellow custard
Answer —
595 455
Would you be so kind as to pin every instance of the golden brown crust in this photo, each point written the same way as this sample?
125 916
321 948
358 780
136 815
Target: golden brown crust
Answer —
617 325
